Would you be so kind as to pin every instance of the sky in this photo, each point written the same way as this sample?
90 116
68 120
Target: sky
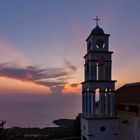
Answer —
42 44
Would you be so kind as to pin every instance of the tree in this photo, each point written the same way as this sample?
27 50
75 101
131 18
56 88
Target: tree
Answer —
10 134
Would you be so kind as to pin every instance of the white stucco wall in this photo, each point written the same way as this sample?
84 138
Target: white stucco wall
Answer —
91 129
129 126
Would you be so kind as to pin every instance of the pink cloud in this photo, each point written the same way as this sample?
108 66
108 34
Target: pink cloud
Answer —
8 53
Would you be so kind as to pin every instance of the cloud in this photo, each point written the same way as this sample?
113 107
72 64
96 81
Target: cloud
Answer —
72 88
69 65
53 78
47 77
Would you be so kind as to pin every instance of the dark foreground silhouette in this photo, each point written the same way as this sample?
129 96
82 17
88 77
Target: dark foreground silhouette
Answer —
66 129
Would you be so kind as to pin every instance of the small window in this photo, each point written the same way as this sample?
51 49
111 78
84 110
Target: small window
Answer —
84 138
103 128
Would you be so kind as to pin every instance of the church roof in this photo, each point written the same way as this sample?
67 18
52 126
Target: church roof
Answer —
97 30
129 93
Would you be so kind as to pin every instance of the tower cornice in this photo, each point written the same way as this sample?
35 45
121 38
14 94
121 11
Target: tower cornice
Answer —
97 35
105 52
99 81
94 61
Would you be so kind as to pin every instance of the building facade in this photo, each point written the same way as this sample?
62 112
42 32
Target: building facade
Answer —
128 111
98 119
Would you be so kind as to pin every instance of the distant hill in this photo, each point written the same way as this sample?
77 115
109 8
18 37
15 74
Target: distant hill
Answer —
64 122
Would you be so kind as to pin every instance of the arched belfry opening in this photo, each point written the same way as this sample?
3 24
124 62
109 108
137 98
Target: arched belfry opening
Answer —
98 97
97 90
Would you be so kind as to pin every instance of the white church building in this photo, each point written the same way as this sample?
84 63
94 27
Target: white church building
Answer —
102 118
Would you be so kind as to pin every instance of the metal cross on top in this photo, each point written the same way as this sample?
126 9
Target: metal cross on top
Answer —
96 19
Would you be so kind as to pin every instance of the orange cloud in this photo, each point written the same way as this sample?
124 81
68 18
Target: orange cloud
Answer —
72 88
14 86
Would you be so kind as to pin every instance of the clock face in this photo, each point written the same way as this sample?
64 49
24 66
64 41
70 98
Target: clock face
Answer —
100 43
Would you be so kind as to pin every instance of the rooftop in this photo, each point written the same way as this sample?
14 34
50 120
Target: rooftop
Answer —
129 93
97 30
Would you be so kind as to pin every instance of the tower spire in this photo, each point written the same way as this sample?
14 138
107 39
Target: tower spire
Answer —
96 19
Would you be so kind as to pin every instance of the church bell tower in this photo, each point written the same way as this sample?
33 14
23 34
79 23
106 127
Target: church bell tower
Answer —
98 119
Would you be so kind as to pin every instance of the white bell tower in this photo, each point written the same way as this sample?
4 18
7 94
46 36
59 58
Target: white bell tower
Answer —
98 119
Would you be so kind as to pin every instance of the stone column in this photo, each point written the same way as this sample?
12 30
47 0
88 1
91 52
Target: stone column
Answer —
112 103
89 104
86 103
93 105
107 102
102 103
92 71
85 66
83 103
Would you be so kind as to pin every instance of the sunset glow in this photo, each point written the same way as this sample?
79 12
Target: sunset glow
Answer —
72 88
42 45
13 86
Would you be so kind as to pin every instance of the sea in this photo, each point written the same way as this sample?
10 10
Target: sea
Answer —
38 111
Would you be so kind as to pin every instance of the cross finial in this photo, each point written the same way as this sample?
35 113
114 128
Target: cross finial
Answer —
96 19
